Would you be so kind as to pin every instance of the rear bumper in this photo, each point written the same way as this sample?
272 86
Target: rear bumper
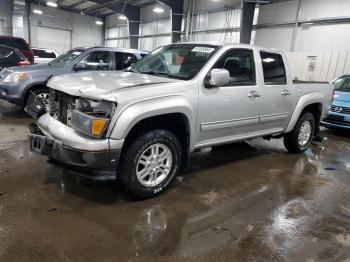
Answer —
337 120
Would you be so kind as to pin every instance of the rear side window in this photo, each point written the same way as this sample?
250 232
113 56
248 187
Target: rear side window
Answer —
44 53
124 60
38 53
97 60
16 43
273 68
5 51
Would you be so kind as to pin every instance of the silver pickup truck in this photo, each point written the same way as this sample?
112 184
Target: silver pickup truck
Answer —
145 121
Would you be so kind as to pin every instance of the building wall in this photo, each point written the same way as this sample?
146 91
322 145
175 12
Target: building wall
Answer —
325 46
61 30
117 32
6 7
155 28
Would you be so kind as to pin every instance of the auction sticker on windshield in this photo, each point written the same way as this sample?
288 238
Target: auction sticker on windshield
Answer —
203 49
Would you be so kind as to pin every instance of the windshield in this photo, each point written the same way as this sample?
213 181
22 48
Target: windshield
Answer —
66 57
180 61
342 84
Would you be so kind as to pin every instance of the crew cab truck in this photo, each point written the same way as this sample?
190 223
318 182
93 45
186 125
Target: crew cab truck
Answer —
144 122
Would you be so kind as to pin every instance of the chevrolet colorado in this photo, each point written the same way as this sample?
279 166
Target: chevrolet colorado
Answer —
144 122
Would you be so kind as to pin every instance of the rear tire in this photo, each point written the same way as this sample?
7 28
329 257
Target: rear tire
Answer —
149 164
300 138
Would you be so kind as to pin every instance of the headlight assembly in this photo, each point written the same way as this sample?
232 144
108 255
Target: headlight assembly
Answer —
89 124
15 77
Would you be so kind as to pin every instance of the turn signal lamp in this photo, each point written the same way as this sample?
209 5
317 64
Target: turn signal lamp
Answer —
98 126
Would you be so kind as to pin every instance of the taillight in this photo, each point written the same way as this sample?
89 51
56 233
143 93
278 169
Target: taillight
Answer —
333 95
23 63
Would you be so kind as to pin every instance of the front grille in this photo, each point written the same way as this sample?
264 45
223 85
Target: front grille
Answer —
60 106
341 109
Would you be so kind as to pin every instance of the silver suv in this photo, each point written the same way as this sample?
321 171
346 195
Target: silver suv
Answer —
19 85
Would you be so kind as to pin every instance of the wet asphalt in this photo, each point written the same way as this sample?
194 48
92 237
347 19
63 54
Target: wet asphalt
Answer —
249 201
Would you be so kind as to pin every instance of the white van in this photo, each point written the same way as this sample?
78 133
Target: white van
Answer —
43 56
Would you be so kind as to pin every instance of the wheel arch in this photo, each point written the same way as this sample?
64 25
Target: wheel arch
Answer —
312 103
172 113
32 87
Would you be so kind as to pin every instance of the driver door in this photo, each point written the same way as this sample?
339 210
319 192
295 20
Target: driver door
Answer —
230 112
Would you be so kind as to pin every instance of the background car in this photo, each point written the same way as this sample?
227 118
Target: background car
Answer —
20 44
11 57
43 56
20 85
339 116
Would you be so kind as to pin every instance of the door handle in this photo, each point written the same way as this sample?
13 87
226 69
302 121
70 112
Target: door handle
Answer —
253 95
285 93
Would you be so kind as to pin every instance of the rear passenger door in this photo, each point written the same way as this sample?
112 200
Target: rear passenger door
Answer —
276 95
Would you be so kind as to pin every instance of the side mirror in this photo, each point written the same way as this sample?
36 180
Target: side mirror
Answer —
217 77
79 67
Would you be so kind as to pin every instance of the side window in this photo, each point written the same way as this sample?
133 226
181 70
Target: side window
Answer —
124 60
49 54
39 53
241 66
273 68
2 53
342 83
98 60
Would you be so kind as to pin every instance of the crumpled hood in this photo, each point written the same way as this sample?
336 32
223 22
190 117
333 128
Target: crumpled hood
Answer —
103 85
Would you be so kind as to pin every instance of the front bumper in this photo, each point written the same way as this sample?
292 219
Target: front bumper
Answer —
11 93
96 160
336 120
63 144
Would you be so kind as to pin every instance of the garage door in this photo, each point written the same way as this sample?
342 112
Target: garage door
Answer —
56 39
2 27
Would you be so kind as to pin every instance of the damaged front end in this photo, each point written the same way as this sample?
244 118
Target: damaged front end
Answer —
73 131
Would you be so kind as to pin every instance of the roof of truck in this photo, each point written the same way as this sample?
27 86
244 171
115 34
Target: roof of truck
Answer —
237 45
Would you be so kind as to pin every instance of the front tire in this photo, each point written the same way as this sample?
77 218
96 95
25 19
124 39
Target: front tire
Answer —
149 164
42 93
300 138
